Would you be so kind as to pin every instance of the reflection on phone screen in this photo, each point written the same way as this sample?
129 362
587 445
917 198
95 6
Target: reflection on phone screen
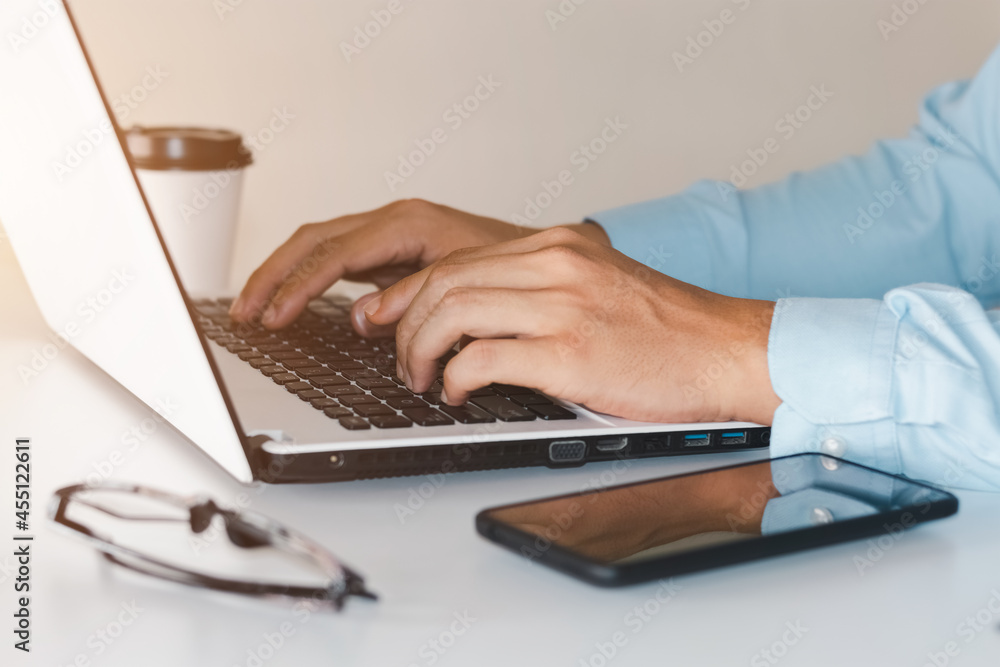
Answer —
667 516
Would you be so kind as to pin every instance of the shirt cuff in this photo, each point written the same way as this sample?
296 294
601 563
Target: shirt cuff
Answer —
830 362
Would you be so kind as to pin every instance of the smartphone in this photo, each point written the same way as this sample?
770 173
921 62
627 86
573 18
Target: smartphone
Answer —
621 535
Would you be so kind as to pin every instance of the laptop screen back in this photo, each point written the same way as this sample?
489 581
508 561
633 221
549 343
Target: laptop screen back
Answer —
85 239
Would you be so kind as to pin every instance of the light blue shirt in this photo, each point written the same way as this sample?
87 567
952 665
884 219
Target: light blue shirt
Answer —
884 267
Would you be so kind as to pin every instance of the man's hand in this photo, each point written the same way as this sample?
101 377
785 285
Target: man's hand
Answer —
379 246
575 319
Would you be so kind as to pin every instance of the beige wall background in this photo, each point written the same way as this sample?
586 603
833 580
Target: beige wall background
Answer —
231 63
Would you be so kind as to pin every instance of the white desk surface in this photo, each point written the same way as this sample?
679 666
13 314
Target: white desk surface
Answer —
913 602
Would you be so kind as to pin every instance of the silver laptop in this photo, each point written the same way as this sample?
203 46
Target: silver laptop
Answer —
312 403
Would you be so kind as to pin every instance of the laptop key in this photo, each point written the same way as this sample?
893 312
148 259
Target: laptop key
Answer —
296 364
337 365
296 387
373 409
403 402
311 394
272 370
530 399
467 414
324 402
324 381
342 390
503 409
310 372
354 423
376 383
337 411
252 354
284 355
238 348
550 412
359 374
391 392
427 417
351 400
390 421
511 390
285 378
261 362
277 346
328 354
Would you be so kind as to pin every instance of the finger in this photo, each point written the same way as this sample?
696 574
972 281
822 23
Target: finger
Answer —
384 276
479 313
526 271
253 299
397 298
363 248
530 362
361 323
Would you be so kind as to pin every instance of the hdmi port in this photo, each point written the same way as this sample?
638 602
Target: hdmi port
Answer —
612 444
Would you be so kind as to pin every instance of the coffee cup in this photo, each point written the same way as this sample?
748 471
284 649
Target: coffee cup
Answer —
192 178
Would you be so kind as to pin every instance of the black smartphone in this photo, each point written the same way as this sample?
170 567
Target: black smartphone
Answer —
621 535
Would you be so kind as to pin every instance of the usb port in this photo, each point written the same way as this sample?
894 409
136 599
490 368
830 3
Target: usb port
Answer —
734 438
697 440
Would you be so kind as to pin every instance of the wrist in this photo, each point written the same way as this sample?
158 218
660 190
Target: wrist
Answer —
751 396
592 231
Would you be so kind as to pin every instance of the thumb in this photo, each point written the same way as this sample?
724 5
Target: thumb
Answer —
363 325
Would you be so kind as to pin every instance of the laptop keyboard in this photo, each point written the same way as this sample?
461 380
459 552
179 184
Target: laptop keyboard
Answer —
323 361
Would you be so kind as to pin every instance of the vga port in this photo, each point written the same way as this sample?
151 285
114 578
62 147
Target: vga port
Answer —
567 451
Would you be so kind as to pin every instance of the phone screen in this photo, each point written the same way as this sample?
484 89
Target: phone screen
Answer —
654 520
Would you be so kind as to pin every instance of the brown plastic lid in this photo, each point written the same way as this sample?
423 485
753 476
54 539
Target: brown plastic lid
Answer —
186 148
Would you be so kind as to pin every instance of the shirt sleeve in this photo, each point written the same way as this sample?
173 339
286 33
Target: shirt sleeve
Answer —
909 384
904 379
925 208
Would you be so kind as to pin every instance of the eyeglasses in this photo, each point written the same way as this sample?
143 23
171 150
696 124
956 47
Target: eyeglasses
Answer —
129 523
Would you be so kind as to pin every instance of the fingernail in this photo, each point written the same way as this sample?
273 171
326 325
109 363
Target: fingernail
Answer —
372 306
236 308
270 315
444 396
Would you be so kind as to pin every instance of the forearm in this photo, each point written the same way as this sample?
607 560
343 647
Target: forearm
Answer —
920 209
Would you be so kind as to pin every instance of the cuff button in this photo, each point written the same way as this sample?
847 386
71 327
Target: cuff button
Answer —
833 446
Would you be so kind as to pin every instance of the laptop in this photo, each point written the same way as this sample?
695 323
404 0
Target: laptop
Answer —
313 403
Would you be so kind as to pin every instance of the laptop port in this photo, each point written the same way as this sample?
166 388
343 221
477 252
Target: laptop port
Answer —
567 451
612 444
697 440
734 438
656 443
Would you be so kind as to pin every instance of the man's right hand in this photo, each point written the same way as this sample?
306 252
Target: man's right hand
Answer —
380 246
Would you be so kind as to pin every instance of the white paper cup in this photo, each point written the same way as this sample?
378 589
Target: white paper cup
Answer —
193 179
